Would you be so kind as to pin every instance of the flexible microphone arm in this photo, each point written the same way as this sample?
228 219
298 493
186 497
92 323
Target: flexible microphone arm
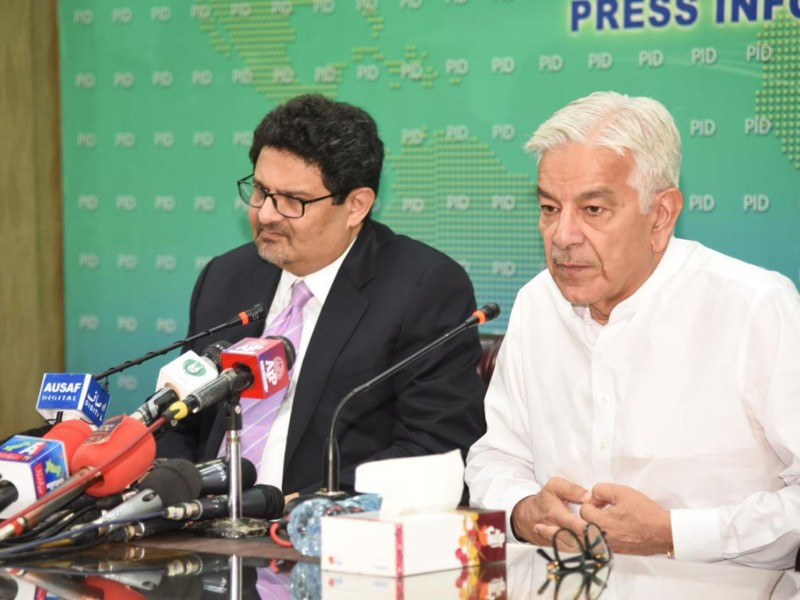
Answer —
251 315
331 458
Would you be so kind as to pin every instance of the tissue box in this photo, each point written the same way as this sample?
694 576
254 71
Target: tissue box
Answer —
410 544
479 581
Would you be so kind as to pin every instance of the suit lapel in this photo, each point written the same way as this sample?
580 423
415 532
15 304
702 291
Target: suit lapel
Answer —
265 280
341 313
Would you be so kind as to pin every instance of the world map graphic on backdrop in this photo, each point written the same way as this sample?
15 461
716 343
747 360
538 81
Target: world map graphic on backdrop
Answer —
160 98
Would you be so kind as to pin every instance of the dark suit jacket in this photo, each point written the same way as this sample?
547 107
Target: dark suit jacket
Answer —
392 296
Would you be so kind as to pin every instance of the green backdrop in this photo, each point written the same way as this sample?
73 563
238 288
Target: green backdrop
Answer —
160 100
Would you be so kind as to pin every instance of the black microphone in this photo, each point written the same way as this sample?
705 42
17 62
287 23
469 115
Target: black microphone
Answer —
251 315
259 502
8 587
331 458
216 473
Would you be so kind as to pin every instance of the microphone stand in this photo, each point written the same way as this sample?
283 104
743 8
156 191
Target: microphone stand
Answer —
331 456
256 313
234 526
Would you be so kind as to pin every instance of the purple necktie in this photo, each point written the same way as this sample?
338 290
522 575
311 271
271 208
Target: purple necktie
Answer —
259 415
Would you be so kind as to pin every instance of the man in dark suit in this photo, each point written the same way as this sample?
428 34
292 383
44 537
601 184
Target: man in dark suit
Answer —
376 298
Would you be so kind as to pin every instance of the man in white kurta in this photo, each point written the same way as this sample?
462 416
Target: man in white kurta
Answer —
646 383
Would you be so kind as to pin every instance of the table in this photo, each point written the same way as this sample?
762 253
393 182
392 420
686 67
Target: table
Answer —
183 566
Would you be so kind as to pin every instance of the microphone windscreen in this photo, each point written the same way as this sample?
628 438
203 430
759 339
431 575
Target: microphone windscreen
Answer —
71 433
175 481
273 502
256 312
288 349
128 468
8 587
491 310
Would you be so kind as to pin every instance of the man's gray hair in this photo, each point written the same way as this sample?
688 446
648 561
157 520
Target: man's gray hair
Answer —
620 123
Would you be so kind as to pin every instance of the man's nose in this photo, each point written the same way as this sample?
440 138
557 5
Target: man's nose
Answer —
568 230
267 213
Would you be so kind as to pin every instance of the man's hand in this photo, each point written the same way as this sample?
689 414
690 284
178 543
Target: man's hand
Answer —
632 522
538 517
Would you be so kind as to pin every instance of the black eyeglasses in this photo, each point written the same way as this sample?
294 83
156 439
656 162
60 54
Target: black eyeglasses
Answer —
578 584
288 206
583 574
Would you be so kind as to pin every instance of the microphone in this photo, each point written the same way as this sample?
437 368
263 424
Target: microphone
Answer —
142 529
331 458
123 439
110 459
254 368
479 316
181 377
259 502
30 467
74 395
251 315
216 474
70 433
172 482
269 360
9 587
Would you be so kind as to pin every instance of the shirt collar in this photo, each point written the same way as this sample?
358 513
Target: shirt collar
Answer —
319 282
673 258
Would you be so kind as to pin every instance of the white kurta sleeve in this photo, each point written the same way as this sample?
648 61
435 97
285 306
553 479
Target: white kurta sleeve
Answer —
763 530
500 470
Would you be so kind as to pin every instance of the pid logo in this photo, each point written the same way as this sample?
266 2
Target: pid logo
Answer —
166 325
127 382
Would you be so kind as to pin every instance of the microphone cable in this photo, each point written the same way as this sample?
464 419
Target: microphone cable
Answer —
77 511
275 531
52 544
53 525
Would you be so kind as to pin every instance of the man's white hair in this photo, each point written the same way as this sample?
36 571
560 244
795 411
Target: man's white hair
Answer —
620 123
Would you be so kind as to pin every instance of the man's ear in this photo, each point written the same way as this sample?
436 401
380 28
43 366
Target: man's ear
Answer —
359 202
667 206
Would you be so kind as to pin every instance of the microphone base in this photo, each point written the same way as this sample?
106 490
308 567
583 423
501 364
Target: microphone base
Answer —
332 495
232 528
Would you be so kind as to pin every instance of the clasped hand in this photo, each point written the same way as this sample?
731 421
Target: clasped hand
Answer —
632 522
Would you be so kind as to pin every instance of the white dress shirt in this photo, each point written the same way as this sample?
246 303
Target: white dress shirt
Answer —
271 469
690 394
